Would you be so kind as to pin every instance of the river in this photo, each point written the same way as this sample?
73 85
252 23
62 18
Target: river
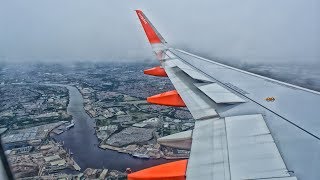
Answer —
83 143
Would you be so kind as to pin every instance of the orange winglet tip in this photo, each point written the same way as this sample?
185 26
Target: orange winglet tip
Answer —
170 98
156 71
169 171
148 28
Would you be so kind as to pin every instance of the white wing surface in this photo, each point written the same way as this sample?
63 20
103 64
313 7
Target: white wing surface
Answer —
247 126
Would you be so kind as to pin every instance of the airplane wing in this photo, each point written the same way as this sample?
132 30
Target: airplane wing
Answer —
247 126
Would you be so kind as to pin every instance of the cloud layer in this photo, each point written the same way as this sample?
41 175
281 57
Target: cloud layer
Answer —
99 30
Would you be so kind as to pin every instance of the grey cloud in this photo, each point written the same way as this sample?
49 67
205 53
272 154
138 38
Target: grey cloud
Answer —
97 30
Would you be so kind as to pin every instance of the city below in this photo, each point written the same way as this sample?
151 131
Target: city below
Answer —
91 120
40 112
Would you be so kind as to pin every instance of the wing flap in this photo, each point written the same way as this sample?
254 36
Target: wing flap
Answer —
220 94
241 147
199 106
252 151
208 157
188 70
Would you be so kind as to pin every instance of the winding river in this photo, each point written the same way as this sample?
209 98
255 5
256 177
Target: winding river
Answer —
83 143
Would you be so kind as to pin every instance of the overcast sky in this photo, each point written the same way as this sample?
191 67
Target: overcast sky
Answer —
108 30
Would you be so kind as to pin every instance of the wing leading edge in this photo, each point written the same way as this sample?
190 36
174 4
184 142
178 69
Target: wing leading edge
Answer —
238 134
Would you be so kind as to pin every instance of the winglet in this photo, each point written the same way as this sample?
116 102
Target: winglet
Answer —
151 32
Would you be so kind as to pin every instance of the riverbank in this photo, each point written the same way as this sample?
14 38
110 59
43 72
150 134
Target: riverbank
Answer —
83 143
